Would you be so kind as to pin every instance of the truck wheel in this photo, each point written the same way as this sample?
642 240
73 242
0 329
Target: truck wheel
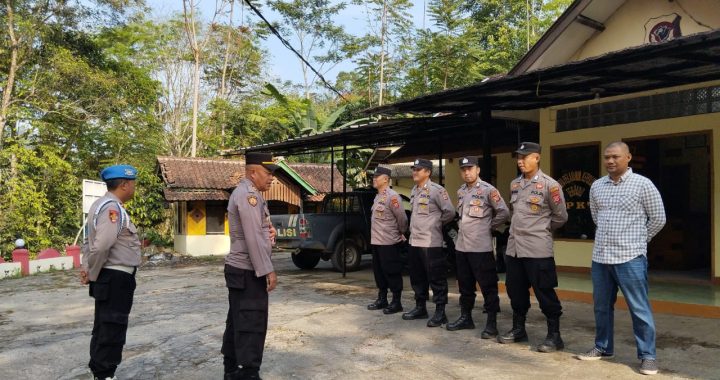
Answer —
305 259
352 256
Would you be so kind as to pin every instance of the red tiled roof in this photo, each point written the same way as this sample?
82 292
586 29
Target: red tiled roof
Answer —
173 195
318 176
200 173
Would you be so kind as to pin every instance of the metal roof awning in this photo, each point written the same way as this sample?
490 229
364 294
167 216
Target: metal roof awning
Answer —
445 133
684 60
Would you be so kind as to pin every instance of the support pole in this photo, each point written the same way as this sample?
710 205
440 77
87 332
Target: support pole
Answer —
344 204
332 170
485 123
440 161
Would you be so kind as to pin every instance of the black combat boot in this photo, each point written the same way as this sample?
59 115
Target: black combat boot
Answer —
553 342
517 333
231 370
419 312
464 322
380 302
439 318
249 373
395 306
491 330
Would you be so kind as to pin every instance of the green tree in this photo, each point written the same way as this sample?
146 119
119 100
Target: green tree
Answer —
508 28
384 51
40 201
146 209
447 55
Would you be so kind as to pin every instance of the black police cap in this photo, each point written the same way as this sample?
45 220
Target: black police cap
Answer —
468 161
527 148
422 163
380 170
261 158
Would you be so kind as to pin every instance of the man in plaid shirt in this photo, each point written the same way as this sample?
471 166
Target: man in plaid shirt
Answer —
628 211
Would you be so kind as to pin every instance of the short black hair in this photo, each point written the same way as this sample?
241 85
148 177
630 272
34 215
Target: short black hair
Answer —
114 183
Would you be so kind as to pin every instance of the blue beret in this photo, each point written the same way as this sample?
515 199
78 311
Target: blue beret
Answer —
118 172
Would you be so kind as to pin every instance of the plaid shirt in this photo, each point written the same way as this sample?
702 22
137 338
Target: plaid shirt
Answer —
627 214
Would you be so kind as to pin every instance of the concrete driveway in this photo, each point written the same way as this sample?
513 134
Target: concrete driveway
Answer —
319 329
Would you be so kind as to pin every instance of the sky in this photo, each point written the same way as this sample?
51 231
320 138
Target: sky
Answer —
284 65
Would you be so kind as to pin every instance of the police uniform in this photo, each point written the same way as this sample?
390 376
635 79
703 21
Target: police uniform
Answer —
387 226
110 256
246 268
538 209
481 210
431 209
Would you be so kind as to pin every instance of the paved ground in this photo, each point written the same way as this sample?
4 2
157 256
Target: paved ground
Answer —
319 329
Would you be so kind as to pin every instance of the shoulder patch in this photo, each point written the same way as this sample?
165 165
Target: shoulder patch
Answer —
495 196
395 202
515 186
113 215
252 200
444 194
555 193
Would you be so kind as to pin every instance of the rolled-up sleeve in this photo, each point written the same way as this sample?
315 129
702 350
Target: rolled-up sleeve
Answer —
104 236
654 209
399 212
558 207
446 206
500 208
593 202
256 238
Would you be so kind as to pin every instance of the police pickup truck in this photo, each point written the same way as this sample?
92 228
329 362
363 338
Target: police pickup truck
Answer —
316 236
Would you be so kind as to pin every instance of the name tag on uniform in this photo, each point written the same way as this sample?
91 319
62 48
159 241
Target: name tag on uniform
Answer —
476 211
379 211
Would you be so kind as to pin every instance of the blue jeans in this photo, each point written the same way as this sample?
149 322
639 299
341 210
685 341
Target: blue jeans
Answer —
631 278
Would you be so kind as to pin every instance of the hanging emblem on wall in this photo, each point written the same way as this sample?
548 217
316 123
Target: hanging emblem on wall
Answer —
663 28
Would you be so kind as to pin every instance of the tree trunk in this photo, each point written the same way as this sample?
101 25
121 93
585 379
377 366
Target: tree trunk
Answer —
382 52
196 101
224 74
192 39
12 69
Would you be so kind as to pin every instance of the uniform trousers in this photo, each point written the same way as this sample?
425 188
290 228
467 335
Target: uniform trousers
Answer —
387 268
538 273
113 292
428 269
247 319
477 267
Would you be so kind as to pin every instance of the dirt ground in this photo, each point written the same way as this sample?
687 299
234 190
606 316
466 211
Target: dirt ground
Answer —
319 329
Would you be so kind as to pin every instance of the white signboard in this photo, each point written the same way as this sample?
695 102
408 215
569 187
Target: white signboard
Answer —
92 191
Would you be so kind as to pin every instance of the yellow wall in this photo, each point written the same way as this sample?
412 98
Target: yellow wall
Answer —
579 253
196 227
626 27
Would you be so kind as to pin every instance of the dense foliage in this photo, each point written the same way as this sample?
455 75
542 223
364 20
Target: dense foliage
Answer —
88 83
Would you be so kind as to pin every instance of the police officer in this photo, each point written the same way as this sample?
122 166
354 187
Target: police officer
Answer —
110 257
431 208
481 210
538 209
387 226
249 273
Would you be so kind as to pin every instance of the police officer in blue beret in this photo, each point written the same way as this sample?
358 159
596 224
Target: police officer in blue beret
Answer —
110 257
